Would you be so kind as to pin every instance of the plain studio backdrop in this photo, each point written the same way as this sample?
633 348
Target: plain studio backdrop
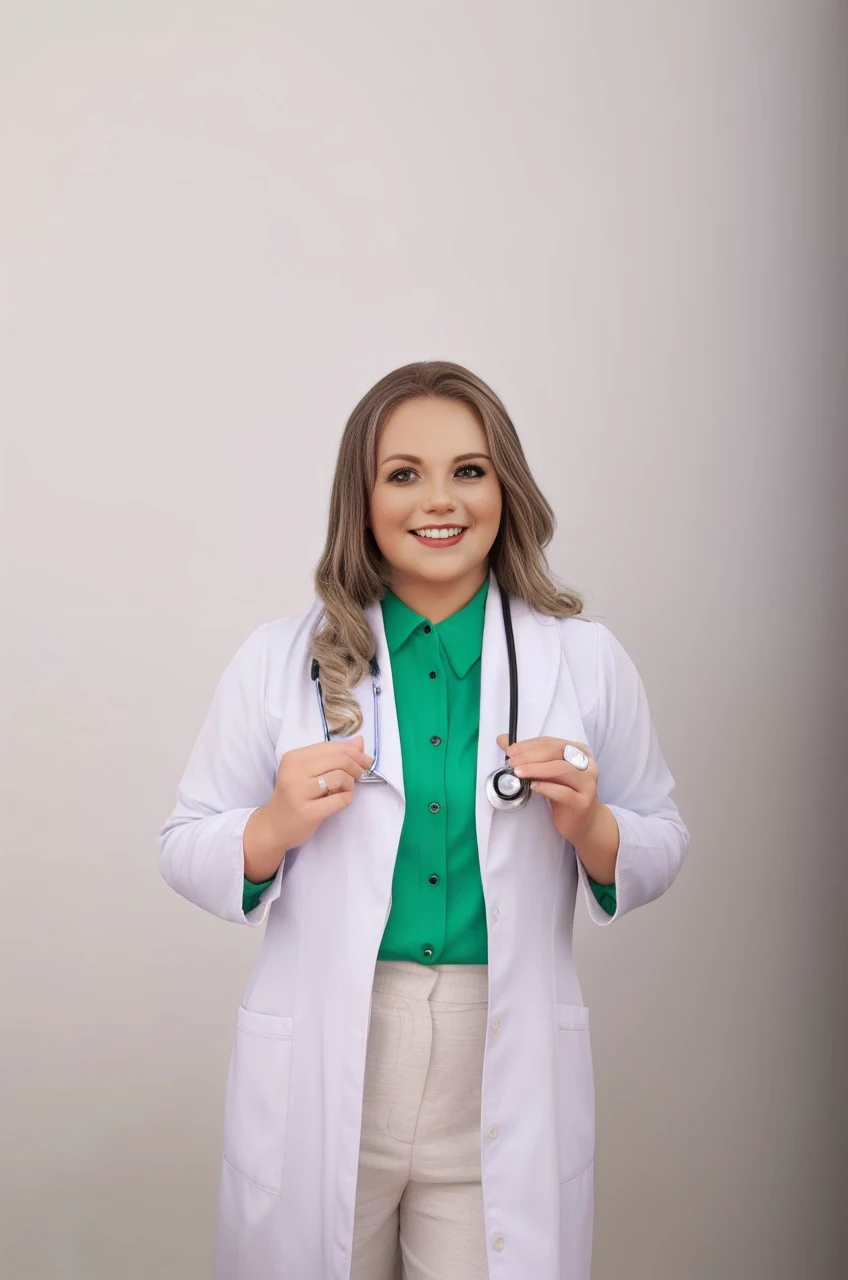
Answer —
220 224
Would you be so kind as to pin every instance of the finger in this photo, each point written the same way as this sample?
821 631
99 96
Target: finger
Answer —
335 757
507 746
361 758
555 771
357 743
530 748
335 750
354 751
555 792
336 779
348 765
333 803
534 750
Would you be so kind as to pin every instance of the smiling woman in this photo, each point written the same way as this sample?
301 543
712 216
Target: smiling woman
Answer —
444 496
415 931
429 447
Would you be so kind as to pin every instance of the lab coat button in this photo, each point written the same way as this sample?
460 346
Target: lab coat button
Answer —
493 1132
498 1244
496 1027
496 914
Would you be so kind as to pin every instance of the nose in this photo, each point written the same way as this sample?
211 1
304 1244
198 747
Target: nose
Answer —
438 500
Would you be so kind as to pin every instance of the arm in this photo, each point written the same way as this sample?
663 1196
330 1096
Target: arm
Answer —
230 774
635 784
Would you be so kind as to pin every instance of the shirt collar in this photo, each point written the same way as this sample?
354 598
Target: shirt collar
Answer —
461 633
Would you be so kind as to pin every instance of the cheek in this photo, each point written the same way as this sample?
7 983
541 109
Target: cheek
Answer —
385 512
489 507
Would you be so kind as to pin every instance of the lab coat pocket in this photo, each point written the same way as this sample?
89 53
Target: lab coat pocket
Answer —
256 1107
575 1090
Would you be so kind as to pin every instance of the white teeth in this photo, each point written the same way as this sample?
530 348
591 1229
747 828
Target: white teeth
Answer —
438 533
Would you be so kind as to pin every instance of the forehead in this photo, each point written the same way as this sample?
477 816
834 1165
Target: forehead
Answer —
432 426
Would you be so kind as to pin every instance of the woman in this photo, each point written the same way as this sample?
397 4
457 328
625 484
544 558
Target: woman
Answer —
411 1076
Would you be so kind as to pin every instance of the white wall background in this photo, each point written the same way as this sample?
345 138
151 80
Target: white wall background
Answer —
220 223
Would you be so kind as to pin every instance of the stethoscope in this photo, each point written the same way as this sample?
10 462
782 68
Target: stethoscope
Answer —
503 789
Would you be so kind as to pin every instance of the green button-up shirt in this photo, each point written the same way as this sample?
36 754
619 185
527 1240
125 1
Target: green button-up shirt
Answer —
438 911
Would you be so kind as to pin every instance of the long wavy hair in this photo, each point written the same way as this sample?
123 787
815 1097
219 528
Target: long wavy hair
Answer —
352 574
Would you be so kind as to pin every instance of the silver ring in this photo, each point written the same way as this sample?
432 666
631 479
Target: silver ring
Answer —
575 756
322 783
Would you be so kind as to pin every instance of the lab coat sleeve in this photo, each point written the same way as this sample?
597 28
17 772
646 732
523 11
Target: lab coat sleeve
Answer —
634 781
231 772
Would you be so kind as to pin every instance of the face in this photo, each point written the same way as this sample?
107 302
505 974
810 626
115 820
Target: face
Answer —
436 505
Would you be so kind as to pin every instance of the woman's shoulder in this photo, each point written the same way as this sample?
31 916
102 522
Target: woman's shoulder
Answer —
579 638
580 635
265 663
289 628
591 649
277 639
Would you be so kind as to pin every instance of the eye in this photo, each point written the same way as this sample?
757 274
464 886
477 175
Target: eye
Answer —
470 471
401 476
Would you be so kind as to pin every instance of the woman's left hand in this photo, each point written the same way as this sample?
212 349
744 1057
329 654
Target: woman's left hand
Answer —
571 792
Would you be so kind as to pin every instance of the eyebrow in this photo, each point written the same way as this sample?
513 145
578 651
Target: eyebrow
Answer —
410 457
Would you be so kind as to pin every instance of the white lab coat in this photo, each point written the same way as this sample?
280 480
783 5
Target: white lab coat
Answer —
294 1090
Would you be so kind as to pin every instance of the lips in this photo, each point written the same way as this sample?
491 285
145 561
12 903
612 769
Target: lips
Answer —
439 540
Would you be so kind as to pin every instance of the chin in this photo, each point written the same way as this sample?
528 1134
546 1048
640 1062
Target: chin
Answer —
444 572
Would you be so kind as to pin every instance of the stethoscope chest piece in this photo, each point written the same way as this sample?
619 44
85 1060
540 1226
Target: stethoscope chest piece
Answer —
505 791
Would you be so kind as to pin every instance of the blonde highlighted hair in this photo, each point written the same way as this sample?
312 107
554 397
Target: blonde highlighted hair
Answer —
351 573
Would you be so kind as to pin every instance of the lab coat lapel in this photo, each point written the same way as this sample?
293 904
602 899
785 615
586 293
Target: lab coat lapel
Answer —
538 656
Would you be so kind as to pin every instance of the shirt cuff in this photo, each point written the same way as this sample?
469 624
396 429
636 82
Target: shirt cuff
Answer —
252 893
605 895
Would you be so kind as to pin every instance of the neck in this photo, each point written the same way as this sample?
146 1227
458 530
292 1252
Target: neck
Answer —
438 600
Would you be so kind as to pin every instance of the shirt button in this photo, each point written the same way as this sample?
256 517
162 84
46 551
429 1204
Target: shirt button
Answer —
493 1132
498 1244
427 629
435 807
433 879
432 675
496 1027
428 950
436 740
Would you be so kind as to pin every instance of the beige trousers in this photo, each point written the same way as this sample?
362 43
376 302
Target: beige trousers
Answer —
418 1193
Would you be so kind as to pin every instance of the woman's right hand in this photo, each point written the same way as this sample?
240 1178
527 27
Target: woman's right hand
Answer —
298 805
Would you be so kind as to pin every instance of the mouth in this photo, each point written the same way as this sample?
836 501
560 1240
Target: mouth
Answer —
440 535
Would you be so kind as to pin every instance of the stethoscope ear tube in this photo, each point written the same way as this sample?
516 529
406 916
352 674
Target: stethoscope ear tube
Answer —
503 790
373 774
